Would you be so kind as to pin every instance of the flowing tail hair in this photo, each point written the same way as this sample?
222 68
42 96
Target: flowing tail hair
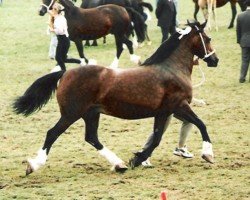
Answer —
38 94
147 5
139 24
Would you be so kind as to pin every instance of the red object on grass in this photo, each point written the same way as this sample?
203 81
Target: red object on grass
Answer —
163 195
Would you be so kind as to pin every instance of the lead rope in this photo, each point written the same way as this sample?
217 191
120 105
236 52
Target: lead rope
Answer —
202 76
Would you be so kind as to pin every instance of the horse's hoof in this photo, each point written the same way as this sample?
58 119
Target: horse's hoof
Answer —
29 170
231 26
121 168
135 162
208 158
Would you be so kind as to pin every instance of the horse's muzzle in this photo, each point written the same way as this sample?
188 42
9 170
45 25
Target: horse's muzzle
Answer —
212 61
42 11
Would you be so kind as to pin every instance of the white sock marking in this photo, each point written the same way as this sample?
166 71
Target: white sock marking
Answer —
110 156
39 160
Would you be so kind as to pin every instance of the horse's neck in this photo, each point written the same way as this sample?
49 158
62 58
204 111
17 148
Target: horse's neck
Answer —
180 61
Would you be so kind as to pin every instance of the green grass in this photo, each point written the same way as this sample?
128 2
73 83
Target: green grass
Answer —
74 169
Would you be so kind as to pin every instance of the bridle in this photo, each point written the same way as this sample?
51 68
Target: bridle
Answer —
47 7
207 54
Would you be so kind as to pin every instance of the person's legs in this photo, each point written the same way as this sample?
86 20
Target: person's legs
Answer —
52 47
60 52
245 60
66 50
184 133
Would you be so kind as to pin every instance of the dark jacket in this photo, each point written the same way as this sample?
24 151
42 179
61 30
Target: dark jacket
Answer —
165 13
243 28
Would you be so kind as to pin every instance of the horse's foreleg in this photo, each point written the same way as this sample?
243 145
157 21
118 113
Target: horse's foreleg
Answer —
234 12
91 136
134 58
119 49
40 160
79 47
153 141
94 43
186 113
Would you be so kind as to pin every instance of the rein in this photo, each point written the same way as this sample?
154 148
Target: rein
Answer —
203 43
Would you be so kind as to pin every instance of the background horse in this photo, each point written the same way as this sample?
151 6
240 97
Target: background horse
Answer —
161 87
137 5
85 24
220 3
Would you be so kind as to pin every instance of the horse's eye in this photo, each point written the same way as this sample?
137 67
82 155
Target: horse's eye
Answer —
209 39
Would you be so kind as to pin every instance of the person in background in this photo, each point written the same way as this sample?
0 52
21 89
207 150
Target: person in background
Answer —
243 38
60 28
53 39
176 9
166 14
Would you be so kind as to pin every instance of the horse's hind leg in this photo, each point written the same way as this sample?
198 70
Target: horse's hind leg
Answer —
134 58
234 12
119 49
52 135
91 119
79 47
186 113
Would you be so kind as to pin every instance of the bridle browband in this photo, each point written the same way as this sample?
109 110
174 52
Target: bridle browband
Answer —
204 46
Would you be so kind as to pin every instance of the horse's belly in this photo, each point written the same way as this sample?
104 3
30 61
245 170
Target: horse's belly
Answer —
127 111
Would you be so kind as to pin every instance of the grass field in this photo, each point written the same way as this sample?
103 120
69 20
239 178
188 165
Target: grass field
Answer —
74 169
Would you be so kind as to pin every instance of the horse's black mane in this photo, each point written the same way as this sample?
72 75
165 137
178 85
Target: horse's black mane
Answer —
164 51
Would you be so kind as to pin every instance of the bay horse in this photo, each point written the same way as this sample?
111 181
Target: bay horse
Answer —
137 5
85 24
160 87
221 3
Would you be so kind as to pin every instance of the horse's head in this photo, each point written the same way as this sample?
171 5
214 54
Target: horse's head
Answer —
47 5
201 44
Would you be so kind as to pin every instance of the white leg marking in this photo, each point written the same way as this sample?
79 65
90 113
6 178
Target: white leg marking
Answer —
83 63
134 58
110 156
135 43
92 62
39 160
207 149
115 63
56 69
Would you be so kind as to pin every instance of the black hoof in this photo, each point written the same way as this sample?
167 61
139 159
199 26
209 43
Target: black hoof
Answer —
120 168
230 26
136 161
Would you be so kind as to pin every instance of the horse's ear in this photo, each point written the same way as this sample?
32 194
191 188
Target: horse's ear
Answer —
203 25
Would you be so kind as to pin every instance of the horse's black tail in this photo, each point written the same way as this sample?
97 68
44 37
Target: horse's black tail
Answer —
38 94
139 24
147 5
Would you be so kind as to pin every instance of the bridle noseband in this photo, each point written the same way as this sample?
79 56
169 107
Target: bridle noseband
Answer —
47 7
204 46
186 31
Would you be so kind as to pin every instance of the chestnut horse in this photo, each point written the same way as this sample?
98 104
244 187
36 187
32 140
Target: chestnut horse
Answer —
137 5
221 3
85 24
160 87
